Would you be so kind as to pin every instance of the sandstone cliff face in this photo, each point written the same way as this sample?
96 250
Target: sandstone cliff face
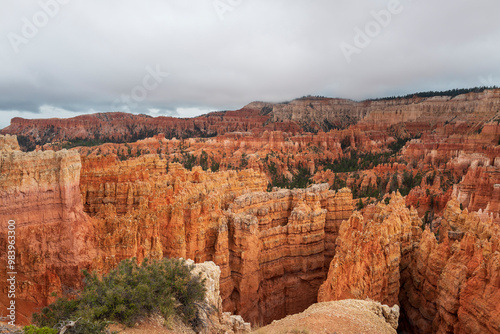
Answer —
279 243
142 210
452 286
454 148
124 127
9 143
479 190
370 253
420 114
54 237
445 282
272 248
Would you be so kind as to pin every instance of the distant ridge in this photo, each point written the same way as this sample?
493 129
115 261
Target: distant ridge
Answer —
416 113
431 93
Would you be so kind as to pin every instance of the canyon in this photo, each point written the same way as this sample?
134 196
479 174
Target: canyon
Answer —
314 200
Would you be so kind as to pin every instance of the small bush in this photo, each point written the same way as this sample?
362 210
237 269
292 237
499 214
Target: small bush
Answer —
36 330
127 293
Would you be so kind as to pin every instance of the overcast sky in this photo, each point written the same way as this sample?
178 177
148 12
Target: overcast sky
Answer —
61 58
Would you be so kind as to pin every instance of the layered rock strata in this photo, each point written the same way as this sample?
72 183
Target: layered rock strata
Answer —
401 117
479 191
371 251
272 248
279 243
142 209
452 286
54 237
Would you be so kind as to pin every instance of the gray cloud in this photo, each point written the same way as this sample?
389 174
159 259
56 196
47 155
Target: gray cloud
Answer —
88 54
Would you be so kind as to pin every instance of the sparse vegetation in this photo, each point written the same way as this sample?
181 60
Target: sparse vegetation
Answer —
82 142
214 166
301 178
36 330
25 143
243 161
356 161
127 293
204 160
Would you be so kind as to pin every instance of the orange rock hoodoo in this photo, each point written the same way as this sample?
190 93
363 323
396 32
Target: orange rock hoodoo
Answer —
371 252
454 286
444 284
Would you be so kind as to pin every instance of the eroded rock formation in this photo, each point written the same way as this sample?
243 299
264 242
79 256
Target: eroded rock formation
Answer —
54 237
445 282
452 286
279 246
370 253
273 248
480 191
143 210
402 116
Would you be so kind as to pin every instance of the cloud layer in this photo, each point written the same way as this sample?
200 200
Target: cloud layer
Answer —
65 57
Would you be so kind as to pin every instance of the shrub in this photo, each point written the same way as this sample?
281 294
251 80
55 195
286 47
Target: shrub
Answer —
204 160
188 161
129 292
36 330
214 166
244 161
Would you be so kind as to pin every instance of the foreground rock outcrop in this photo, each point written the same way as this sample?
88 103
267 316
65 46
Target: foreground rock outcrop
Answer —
344 316
215 319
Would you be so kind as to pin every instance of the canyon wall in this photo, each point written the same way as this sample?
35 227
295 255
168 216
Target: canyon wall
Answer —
446 281
479 190
142 209
452 286
273 248
371 252
279 246
54 237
